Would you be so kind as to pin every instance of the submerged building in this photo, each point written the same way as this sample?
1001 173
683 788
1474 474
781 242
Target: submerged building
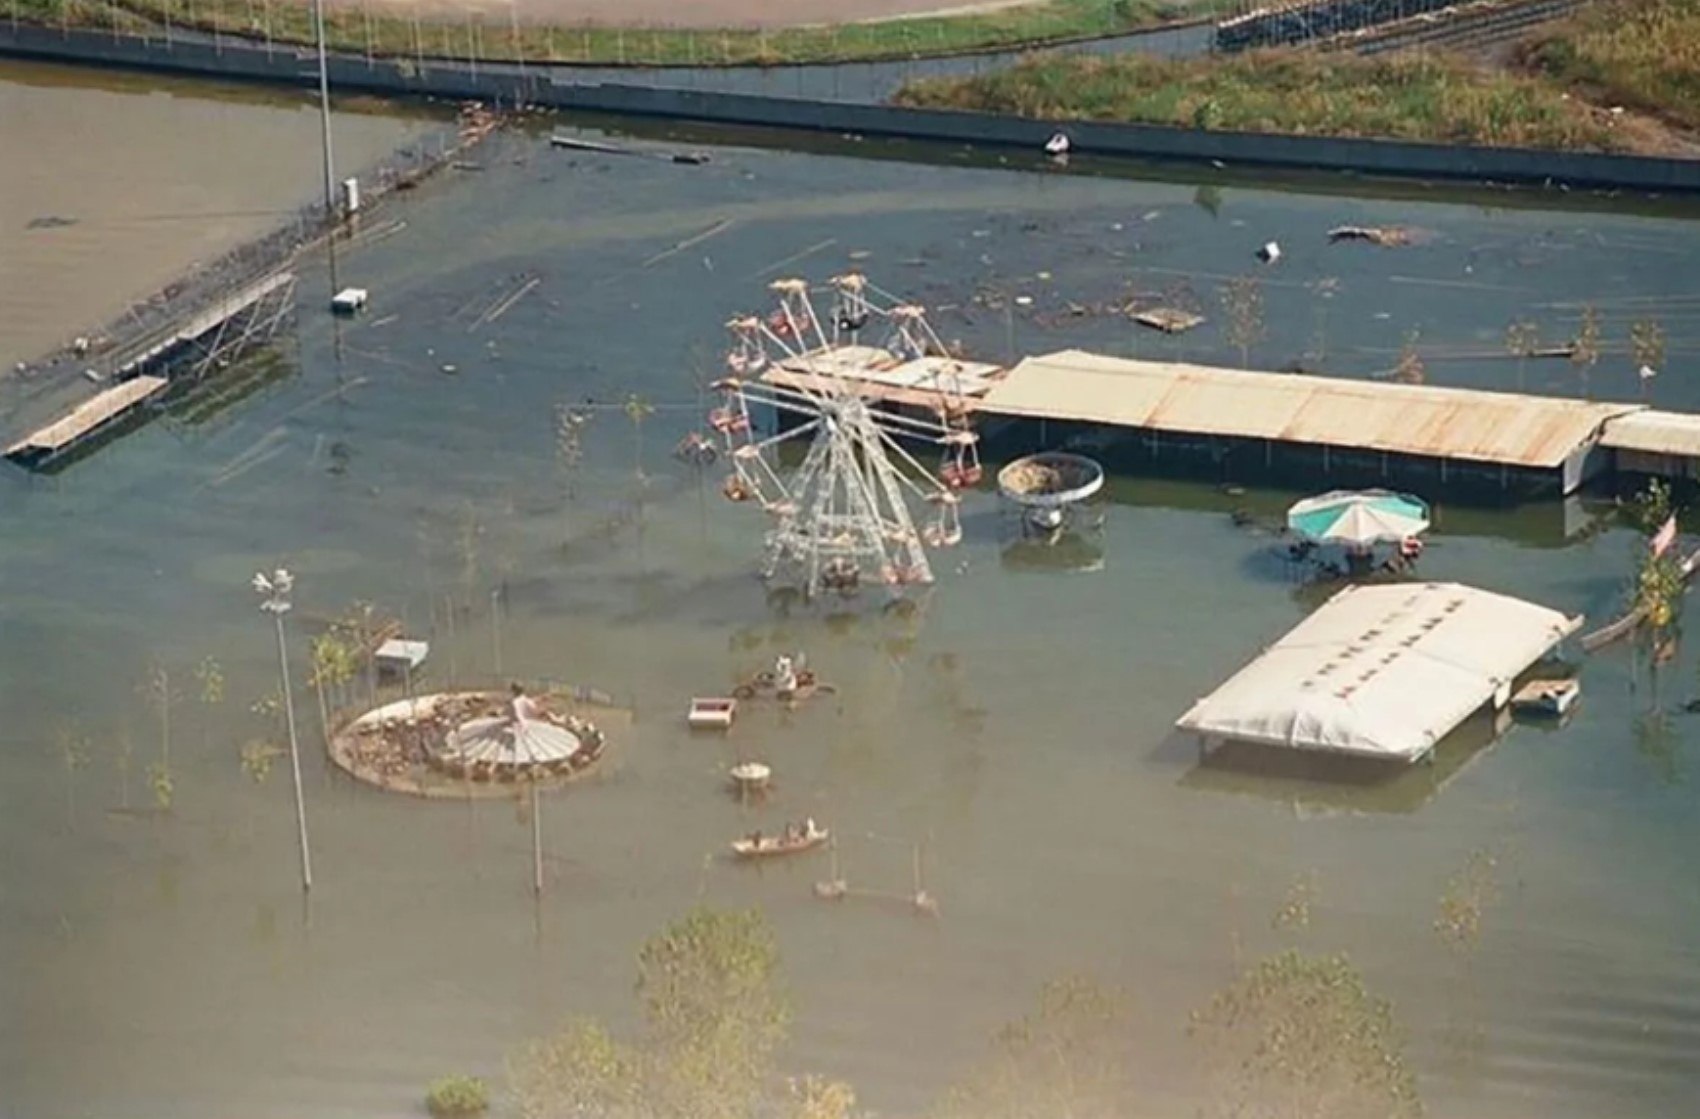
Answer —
1382 671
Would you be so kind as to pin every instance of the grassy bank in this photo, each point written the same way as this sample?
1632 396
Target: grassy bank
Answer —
1406 98
1640 54
492 37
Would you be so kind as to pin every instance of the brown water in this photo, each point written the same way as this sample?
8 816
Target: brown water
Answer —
1018 724
155 177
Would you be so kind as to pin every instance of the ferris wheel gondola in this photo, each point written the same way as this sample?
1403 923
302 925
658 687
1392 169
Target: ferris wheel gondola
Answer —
843 518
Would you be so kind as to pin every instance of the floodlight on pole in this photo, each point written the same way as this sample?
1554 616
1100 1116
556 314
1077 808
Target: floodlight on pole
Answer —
274 590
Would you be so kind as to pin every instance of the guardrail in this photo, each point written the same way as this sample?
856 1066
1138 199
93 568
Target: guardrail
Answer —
407 78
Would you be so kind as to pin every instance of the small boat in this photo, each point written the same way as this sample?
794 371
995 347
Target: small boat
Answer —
711 713
759 846
1549 698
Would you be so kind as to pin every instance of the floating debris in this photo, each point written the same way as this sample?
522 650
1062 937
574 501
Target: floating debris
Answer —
51 221
1170 320
1387 236
1269 253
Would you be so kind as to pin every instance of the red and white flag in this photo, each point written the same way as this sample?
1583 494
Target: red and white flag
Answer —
1663 538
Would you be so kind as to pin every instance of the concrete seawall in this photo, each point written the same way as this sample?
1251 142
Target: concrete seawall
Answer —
556 88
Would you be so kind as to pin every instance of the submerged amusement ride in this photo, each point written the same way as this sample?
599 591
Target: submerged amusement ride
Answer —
844 517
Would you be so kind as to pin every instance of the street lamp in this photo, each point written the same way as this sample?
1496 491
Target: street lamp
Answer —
274 591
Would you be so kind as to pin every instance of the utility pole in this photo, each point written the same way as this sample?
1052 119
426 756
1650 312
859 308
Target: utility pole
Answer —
325 111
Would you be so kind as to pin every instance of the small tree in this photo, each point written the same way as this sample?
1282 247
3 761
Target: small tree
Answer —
1242 305
1300 1036
1464 903
1659 581
334 666
211 678
713 1020
72 746
1585 350
638 410
1410 370
163 787
1066 1058
158 692
1521 339
123 750
1647 345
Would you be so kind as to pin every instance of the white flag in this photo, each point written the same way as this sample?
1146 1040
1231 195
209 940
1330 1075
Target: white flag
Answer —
1664 538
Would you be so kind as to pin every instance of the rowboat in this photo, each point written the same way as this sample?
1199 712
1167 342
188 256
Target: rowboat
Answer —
1549 698
760 846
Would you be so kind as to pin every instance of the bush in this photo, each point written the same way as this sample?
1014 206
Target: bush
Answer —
454 1097
1400 97
1641 54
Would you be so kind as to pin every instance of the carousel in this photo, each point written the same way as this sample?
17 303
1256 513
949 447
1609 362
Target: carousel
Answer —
460 744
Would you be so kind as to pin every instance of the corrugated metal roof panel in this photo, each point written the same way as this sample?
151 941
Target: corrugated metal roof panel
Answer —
1371 415
1385 671
1653 432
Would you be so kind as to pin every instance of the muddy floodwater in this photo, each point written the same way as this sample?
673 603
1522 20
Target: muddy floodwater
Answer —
113 187
1016 726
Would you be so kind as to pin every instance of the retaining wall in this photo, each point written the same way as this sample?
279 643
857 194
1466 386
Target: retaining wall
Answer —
549 88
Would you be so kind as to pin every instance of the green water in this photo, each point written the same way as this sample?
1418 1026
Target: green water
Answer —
1018 724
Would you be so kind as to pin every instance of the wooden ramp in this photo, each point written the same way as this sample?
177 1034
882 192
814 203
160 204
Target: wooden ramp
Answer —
85 420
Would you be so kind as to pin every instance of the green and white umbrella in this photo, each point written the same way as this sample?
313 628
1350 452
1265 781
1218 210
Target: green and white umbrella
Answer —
1358 518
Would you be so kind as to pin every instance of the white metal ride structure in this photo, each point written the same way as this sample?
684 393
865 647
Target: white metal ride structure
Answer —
842 518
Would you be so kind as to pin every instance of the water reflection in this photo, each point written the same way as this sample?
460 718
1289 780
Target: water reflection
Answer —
1315 784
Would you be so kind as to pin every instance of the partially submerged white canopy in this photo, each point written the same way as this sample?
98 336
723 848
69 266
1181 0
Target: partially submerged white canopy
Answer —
1384 671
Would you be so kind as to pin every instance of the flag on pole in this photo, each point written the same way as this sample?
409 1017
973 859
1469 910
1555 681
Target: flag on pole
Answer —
1664 538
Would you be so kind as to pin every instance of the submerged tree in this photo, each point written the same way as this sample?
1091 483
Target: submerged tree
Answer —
1301 1037
1647 345
1659 579
72 746
123 750
1065 1060
1410 370
713 1020
1585 350
210 676
158 692
334 665
1242 303
1464 903
1522 338
638 410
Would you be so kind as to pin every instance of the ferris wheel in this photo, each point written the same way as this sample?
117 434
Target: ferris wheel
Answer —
842 518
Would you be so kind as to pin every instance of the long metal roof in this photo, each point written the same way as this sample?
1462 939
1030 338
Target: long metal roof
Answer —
1383 671
1491 427
1654 432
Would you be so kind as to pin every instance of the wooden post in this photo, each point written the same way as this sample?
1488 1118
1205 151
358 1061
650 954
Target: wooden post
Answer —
536 840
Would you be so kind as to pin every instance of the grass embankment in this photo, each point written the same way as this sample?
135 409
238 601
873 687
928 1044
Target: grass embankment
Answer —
490 36
1300 93
1641 54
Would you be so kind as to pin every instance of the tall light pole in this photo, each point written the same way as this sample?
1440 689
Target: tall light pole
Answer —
325 110
274 593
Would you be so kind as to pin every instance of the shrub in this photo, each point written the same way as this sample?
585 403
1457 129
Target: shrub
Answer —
455 1097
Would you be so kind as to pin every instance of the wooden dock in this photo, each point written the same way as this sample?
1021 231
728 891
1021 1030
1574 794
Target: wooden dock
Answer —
144 371
88 420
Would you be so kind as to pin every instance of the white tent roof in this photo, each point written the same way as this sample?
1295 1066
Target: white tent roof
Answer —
1384 671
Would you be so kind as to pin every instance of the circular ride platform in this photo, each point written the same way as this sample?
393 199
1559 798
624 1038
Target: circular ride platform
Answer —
462 744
